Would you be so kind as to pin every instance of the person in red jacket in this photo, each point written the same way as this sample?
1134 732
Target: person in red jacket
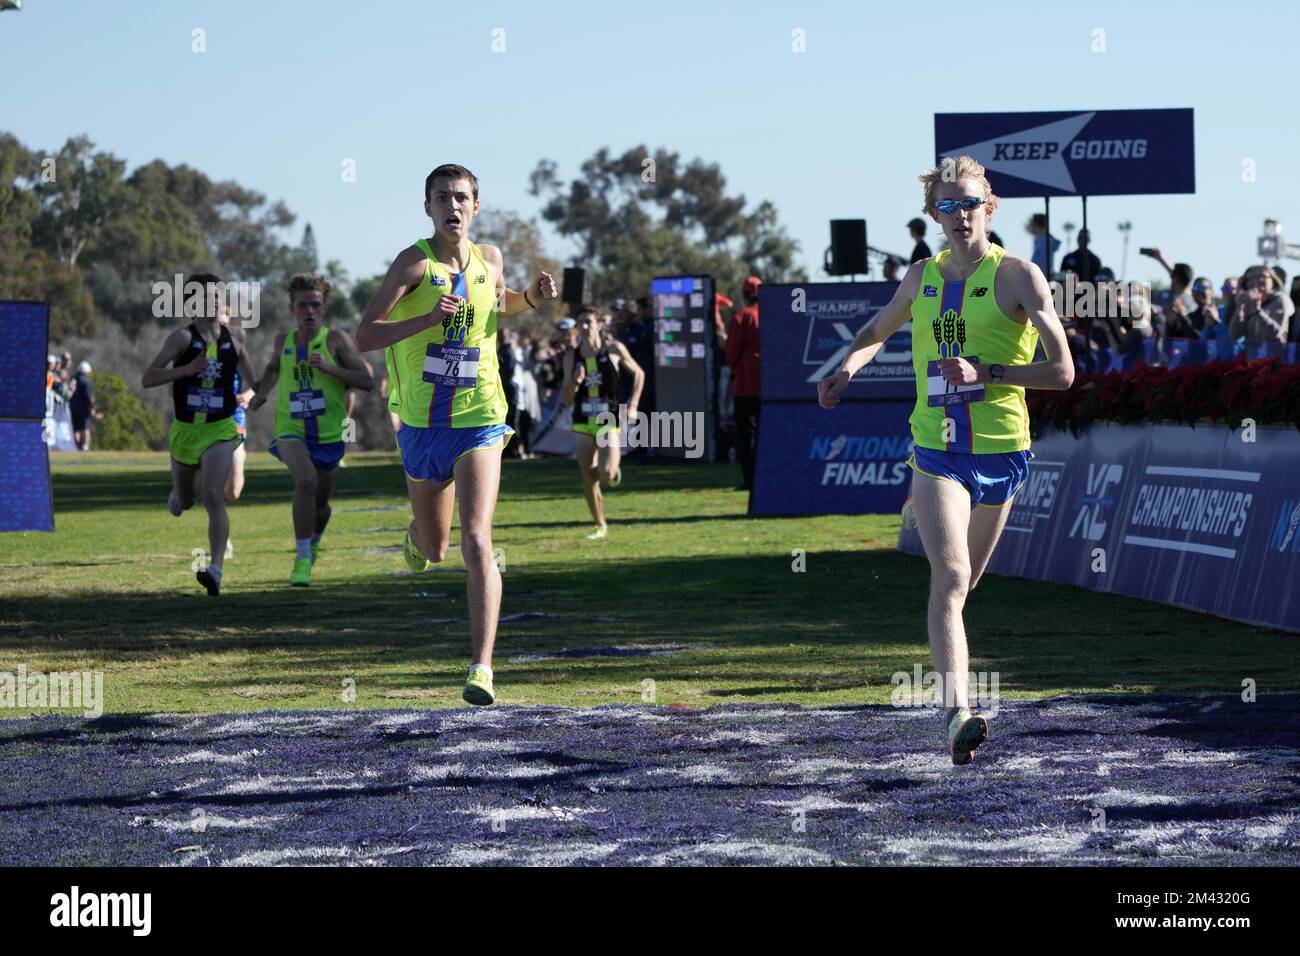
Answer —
741 343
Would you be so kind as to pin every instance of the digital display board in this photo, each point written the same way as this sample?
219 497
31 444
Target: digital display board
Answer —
684 334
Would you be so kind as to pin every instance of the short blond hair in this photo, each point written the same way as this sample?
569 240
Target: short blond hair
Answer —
950 170
306 282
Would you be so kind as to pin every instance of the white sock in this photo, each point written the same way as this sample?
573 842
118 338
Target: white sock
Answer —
304 547
481 667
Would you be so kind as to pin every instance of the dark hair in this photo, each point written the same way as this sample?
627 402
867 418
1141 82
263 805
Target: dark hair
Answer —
916 225
1183 273
1038 219
451 171
204 279
585 310
306 282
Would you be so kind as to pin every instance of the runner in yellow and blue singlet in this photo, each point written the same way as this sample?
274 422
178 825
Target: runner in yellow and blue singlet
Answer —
977 315
313 366
435 315
976 435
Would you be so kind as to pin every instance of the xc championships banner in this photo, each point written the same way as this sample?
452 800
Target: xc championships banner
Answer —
846 460
1195 517
1082 153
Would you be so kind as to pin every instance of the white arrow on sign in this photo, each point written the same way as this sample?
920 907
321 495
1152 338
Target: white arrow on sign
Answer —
1047 143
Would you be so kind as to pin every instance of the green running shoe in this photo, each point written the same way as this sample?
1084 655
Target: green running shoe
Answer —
415 559
478 688
965 733
597 535
315 551
301 576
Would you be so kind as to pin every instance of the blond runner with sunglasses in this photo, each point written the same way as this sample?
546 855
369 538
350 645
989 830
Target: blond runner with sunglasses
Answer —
977 314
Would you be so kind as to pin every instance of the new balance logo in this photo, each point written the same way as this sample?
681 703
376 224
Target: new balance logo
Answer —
480 279
980 292
437 280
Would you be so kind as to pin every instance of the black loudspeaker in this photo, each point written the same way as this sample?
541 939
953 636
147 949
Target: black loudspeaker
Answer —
573 287
848 247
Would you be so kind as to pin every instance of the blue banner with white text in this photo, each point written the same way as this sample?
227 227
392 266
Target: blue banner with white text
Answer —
1204 518
1078 153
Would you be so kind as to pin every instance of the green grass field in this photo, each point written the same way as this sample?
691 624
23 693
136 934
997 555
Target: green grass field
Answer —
113 590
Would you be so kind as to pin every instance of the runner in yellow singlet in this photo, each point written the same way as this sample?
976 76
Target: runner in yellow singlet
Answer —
200 363
435 314
590 386
977 315
317 369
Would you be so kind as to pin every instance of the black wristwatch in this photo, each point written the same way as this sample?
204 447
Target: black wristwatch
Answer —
995 373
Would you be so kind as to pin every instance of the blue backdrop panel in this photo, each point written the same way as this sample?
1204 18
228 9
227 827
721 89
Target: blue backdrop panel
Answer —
24 477
847 460
23 339
1081 153
799 348
1194 517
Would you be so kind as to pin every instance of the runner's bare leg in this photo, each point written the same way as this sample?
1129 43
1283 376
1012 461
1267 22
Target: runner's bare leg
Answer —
943 519
478 475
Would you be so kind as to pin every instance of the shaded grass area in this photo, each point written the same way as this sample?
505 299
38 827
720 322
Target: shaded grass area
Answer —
684 571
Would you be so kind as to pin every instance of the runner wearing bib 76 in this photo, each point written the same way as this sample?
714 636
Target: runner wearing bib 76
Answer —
436 316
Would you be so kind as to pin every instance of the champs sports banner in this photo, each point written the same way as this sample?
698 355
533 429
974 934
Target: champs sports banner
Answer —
1201 518
846 460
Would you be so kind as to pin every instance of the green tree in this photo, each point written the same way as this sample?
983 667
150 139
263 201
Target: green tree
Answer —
79 192
363 290
28 272
128 425
340 308
638 215
522 252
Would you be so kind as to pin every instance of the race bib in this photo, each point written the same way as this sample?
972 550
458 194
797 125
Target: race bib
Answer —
306 404
454 365
939 393
204 400
593 407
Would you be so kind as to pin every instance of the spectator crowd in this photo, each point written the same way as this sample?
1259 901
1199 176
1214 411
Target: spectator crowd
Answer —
65 386
1107 319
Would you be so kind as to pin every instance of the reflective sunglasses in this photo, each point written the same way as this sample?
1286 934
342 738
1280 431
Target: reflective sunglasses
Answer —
949 206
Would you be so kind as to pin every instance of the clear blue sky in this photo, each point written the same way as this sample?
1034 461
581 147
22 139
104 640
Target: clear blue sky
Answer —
287 90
